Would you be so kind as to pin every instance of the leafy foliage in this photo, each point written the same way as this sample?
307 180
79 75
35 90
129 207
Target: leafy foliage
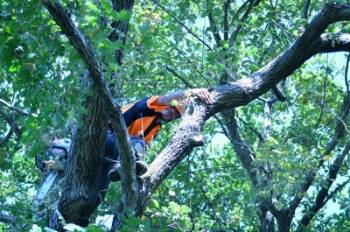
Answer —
210 190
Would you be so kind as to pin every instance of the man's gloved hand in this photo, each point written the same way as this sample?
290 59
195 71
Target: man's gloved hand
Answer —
202 93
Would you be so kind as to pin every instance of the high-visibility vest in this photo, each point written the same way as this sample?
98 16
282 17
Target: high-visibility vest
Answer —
143 118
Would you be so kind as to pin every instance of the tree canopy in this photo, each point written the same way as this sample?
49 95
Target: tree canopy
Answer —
269 154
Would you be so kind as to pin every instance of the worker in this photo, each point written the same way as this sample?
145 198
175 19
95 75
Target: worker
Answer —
144 119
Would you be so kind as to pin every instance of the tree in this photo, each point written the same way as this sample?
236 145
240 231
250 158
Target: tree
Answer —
289 166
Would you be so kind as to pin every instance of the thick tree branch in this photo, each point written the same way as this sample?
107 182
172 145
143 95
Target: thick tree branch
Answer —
130 187
102 102
242 149
246 156
221 124
321 198
78 41
247 89
266 220
339 134
333 43
186 138
85 52
11 121
243 91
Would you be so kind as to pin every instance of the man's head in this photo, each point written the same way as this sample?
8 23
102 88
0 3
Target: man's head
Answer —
170 114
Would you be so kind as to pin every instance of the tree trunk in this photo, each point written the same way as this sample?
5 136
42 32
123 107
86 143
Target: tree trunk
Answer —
284 221
82 179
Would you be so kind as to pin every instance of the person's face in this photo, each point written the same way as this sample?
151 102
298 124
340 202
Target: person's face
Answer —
170 114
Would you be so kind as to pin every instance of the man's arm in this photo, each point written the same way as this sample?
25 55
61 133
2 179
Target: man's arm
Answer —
202 93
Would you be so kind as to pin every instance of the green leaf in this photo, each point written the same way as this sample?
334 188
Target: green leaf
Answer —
93 8
122 15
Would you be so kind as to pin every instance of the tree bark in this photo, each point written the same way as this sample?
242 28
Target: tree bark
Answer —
80 195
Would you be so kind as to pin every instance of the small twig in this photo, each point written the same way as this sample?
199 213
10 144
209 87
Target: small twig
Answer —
272 5
171 70
234 34
213 28
3 141
181 23
235 16
285 30
23 112
261 138
270 47
305 13
262 99
194 65
343 124
337 189
323 104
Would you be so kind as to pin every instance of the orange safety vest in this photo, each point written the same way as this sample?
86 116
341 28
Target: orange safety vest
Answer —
142 118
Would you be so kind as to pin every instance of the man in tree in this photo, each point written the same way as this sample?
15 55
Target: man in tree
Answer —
144 119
